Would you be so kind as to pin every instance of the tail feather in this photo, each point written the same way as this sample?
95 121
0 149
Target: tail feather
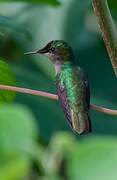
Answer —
88 127
81 123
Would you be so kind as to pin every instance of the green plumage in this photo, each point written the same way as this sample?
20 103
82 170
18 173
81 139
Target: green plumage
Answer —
73 81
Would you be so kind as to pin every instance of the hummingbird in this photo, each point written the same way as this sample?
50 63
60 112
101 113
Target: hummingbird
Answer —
72 85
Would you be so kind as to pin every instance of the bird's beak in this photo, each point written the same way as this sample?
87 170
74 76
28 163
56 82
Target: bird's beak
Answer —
40 51
31 53
43 50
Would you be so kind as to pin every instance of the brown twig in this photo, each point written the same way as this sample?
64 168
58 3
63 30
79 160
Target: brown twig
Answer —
54 97
29 91
108 29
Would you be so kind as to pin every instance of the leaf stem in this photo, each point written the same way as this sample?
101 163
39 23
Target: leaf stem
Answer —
108 29
54 97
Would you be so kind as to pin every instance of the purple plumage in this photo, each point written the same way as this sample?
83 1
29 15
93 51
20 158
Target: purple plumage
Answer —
64 102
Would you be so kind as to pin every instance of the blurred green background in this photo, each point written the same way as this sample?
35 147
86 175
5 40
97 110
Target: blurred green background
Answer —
32 145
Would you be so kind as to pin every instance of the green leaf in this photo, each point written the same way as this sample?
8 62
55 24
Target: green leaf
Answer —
51 2
95 158
18 131
6 78
15 169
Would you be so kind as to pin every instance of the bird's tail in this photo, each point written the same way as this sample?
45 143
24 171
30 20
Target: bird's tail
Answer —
88 127
81 123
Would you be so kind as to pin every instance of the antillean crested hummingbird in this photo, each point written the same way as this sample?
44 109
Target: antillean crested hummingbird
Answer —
72 85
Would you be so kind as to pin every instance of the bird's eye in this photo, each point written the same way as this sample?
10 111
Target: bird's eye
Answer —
52 49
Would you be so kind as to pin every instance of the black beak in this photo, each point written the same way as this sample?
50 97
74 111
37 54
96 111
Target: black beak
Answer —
40 51
43 50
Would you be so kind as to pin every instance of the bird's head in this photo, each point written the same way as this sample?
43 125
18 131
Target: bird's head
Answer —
57 51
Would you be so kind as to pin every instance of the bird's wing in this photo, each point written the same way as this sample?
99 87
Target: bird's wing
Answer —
62 93
80 108
86 89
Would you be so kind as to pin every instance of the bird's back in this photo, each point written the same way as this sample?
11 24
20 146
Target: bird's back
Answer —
74 95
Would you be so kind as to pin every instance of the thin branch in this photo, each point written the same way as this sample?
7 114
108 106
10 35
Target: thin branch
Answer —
108 29
54 97
29 91
104 110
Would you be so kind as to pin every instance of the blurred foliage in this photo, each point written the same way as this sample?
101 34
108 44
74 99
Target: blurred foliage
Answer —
17 135
96 155
21 157
31 144
6 77
50 2
23 133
